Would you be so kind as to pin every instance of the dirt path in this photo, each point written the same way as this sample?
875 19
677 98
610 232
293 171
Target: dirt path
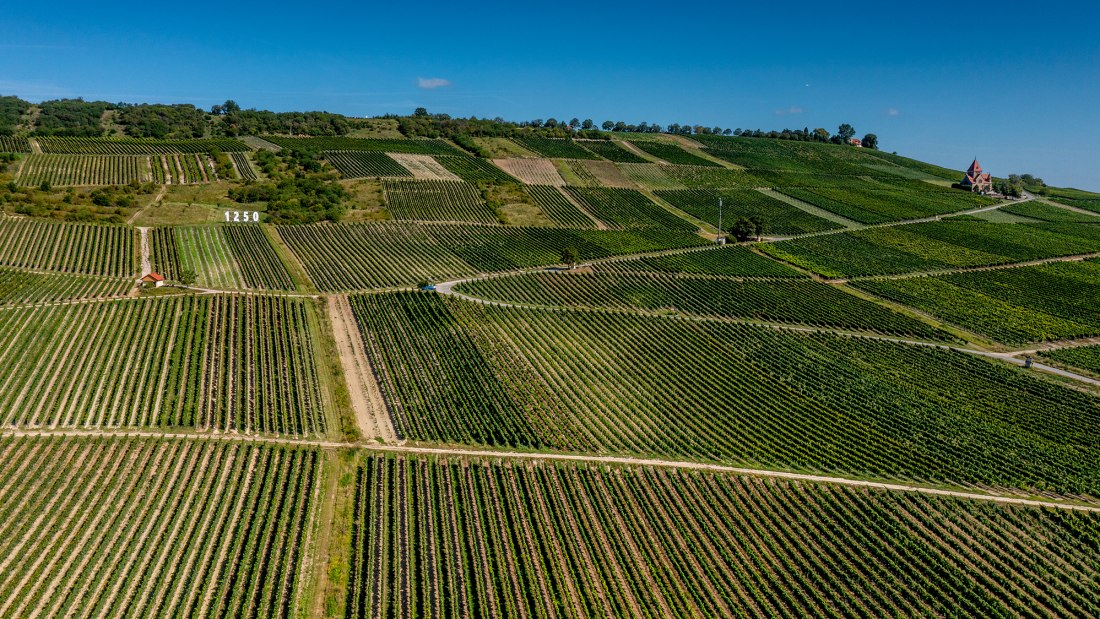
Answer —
988 267
370 410
557 457
146 264
639 152
36 148
811 209
156 199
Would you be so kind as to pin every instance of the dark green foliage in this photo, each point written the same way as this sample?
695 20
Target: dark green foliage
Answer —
135 146
1085 357
297 189
11 110
559 208
364 164
421 147
262 122
162 121
424 200
71 117
474 170
781 218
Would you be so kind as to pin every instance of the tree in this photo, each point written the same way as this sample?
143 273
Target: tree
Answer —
187 277
608 125
420 111
870 141
620 126
231 107
821 134
587 124
743 229
576 122
845 131
569 256
551 122
727 131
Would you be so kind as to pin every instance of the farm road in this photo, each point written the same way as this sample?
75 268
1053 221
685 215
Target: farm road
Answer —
558 457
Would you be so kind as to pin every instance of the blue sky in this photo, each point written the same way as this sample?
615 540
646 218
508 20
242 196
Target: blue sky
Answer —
1019 88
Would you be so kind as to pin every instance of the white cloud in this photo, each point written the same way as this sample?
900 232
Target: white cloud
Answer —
893 112
794 109
430 83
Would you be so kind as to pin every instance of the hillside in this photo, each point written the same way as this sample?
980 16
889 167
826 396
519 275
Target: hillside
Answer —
421 366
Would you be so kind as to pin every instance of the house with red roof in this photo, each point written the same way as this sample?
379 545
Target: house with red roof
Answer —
152 280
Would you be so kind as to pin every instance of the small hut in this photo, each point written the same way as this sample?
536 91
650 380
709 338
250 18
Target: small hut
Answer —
152 280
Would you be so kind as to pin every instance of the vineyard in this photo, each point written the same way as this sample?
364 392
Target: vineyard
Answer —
437 201
1086 358
623 209
612 151
421 147
221 256
23 288
134 146
460 372
1014 306
558 207
65 170
153 528
398 254
532 171
424 167
14 145
1047 212
728 261
778 216
952 243
212 362
364 164
69 248
556 148
671 153
651 175
796 302
453 538
474 170
244 166
874 206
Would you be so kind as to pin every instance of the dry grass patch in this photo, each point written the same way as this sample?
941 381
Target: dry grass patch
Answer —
424 167
532 171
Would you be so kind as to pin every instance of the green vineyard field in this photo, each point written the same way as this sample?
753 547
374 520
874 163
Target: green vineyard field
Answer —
69 248
22 287
227 256
448 201
422 147
558 207
134 146
730 261
153 528
612 151
449 538
364 164
778 216
212 362
623 209
670 153
556 148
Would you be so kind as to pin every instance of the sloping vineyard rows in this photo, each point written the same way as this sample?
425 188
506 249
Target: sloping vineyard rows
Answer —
699 177
556 148
612 382
778 216
780 179
423 147
153 528
244 166
70 248
349 257
451 538
63 170
612 151
213 362
14 145
532 171
424 167
1015 306
559 208
1086 358
793 156
651 175
221 255
474 170
134 146
21 287
797 302
436 383
577 173
364 164
873 206
626 208
932 246
436 201
730 261
1046 212
671 153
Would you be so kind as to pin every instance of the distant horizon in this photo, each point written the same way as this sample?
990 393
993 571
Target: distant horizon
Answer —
1018 93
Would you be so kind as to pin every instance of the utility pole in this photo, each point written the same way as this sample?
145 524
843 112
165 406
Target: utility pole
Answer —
719 238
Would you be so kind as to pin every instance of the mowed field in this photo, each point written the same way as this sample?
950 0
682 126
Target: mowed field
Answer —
418 408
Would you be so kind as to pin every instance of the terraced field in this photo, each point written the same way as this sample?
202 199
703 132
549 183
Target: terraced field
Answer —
83 249
215 362
460 372
952 243
442 251
141 527
1015 306
540 540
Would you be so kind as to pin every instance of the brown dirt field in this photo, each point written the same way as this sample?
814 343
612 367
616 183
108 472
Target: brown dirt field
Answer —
366 399
424 167
609 175
532 171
